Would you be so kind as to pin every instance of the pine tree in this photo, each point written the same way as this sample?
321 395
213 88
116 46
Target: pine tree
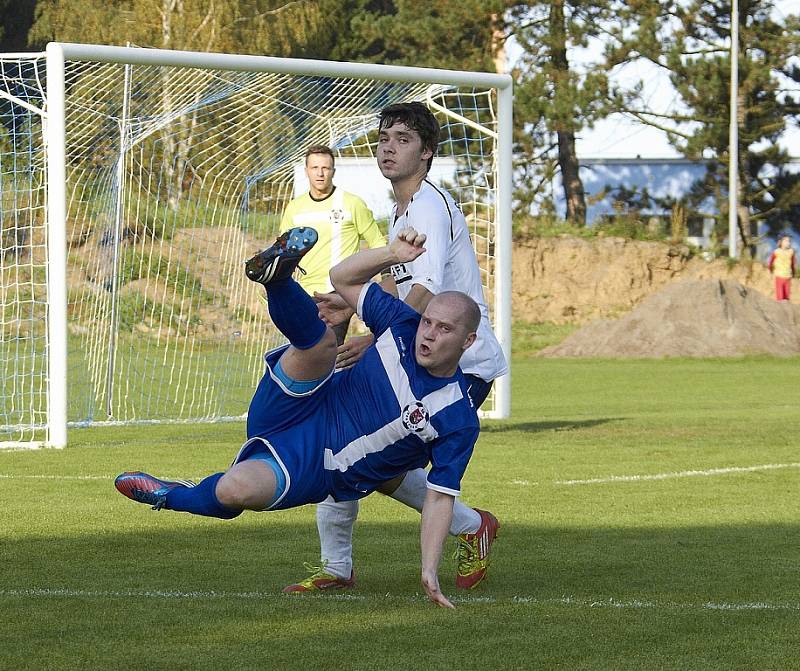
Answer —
692 42
556 99
450 34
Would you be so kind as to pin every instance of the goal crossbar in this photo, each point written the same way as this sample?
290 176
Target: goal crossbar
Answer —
61 168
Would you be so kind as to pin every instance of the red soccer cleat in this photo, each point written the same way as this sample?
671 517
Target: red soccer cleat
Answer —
473 551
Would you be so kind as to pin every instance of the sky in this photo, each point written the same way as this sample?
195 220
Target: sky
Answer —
620 136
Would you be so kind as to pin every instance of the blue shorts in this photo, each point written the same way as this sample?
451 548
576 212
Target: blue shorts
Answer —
263 454
286 424
296 386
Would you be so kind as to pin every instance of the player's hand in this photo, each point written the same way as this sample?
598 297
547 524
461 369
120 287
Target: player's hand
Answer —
408 245
333 309
352 350
431 584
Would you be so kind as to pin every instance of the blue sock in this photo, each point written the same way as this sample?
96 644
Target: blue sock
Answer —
295 313
200 500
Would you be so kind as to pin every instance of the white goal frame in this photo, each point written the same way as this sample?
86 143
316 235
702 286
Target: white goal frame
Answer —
58 54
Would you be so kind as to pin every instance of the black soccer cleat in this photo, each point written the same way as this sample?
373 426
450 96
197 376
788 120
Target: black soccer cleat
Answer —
279 261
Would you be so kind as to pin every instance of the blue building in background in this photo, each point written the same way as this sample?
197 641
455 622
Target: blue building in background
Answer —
663 179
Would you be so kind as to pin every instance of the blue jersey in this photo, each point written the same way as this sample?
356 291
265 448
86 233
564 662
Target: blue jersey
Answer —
370 423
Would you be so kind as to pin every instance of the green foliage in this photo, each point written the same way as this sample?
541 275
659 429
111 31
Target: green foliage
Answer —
628 225
136 310
23 309
691 40
546 226
678 222
623 224
555 98
450 34
137 263
272 27
664 573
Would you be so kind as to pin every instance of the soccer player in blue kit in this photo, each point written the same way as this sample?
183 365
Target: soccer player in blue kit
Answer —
312 434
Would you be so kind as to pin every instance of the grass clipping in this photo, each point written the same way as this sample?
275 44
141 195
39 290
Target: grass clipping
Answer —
693 318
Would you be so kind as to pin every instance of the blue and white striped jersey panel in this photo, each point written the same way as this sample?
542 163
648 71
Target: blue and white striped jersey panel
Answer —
412 418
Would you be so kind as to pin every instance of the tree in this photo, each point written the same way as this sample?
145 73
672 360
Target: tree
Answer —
691 40
556 97
450 34
16 17
271 27
274 27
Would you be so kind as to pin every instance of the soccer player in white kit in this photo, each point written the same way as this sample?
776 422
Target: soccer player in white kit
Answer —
407 142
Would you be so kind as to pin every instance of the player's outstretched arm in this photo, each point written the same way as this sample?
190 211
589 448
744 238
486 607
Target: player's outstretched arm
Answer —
437 512
349 276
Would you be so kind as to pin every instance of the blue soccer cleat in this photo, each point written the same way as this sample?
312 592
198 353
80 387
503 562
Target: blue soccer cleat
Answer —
144 488
279 261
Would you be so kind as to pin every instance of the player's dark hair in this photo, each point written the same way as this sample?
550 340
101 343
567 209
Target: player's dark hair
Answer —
320 149
417 117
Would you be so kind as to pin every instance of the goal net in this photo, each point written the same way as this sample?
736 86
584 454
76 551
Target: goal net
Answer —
134 184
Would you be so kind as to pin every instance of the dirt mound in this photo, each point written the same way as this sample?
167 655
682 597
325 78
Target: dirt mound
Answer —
693 318
575 280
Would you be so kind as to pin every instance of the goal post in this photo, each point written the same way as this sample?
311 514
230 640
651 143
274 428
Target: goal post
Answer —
166 169
55 143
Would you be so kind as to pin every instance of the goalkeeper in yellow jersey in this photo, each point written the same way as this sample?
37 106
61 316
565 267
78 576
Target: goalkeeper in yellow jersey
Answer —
341 219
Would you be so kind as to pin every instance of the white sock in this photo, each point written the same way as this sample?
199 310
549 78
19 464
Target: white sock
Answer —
412 492
335 521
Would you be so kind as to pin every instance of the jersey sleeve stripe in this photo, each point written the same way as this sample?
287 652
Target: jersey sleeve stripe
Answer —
447 206
361 297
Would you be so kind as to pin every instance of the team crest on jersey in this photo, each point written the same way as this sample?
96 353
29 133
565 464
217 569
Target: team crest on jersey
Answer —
415 417
337 215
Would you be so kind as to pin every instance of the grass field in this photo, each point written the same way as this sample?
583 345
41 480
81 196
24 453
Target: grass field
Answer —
649 515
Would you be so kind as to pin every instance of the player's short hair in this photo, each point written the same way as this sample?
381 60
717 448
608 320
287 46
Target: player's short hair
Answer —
417 117
319 149
469 312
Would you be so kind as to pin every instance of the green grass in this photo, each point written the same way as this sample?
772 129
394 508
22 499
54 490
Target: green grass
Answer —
691 572
530 337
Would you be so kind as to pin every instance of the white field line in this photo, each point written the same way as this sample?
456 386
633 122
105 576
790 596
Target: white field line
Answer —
522 483
8 476
678 474
604 602
110 478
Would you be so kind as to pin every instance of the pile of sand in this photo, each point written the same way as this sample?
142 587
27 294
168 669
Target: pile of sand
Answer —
574 280
692 318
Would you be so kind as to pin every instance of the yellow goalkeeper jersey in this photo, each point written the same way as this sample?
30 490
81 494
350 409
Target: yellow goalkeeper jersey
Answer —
342 220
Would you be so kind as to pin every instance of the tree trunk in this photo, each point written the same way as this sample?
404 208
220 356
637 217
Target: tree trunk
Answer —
168 139
743 197
499 53
567 158
570 176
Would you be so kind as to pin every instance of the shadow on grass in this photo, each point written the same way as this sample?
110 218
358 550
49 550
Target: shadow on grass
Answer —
492 426
265 552
178 594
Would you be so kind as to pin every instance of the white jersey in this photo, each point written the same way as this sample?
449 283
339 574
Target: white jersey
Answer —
449 264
